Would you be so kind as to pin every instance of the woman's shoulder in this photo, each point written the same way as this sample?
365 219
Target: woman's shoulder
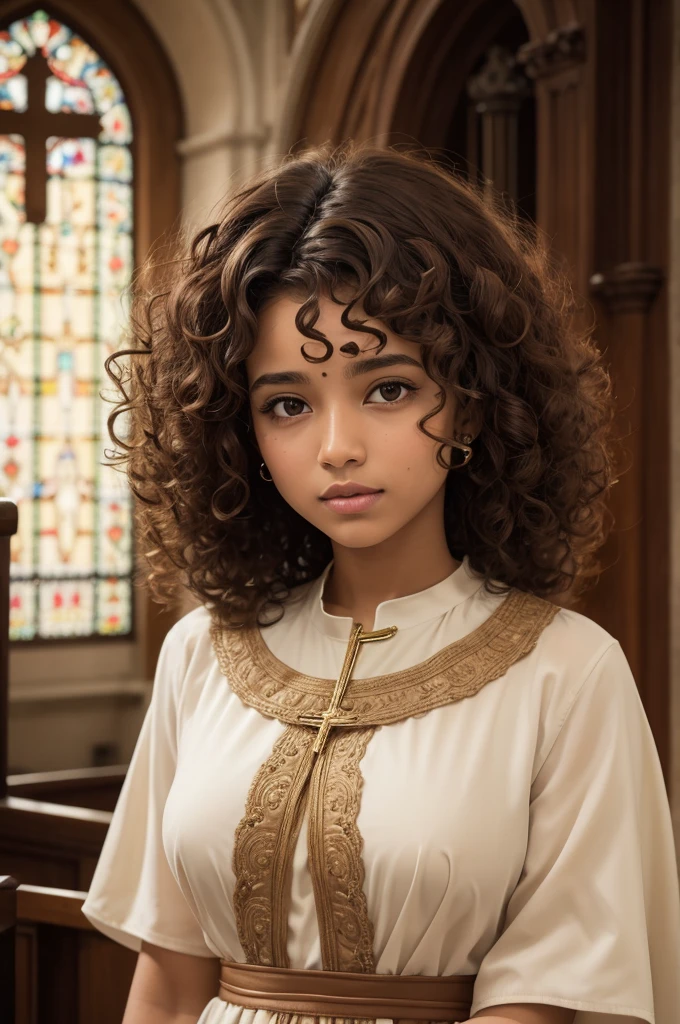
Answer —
576 639
194 624
562 635
193 630
574 662
574 654
189 639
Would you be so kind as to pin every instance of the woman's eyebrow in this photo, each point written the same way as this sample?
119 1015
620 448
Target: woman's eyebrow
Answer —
351 370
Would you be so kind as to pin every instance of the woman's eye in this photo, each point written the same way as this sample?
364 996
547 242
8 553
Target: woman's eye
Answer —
291 408
389 391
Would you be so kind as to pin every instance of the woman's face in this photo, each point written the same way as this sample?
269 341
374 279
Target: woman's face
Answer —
350 419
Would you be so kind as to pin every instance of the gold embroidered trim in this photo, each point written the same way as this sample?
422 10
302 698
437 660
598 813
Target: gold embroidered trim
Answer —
457 671
335 855
264 844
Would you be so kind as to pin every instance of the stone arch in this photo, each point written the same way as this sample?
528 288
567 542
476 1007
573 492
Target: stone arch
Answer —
210 53
225 137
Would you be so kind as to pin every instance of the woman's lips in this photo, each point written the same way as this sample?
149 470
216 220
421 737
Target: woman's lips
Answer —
353 503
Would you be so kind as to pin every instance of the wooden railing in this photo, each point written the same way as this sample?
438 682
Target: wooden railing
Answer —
51 832
50 844
55 967
97 788
9 518
8 929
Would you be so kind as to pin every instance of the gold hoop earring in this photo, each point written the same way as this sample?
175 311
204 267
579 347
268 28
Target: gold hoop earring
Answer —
267 478
462 445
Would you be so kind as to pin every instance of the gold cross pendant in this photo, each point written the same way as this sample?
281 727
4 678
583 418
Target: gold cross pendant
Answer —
334 715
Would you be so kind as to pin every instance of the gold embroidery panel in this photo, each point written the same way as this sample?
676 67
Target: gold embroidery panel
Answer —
264 843
335 855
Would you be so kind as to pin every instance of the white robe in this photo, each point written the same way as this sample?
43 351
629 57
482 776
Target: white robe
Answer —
522 834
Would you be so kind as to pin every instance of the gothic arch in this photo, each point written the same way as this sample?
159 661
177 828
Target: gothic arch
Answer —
367 70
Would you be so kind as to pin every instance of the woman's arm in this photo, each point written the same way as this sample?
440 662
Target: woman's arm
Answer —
525 1013
170 988
532 1013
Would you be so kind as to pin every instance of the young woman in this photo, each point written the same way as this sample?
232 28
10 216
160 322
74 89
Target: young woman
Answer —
382 776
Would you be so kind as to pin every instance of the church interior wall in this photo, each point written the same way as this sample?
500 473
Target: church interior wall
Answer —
239 81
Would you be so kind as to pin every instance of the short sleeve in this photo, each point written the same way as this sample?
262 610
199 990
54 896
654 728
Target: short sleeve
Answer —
134 895
594 921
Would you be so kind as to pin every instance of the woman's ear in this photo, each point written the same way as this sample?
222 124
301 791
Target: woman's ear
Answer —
470 419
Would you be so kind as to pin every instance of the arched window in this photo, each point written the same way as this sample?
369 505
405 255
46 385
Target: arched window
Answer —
66 256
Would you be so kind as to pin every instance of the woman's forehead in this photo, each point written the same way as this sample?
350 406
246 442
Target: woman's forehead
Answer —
278 335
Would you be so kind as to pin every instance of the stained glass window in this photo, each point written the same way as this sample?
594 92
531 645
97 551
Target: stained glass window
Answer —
65 258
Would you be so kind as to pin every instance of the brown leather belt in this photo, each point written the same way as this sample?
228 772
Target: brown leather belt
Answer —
348 994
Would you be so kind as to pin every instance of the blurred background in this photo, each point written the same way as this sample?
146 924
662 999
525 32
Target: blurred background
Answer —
121 121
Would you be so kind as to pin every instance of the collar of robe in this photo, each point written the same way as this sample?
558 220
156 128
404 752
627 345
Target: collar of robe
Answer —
406 612
459 670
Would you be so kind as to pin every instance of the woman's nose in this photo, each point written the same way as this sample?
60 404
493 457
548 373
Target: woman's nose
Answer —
341 438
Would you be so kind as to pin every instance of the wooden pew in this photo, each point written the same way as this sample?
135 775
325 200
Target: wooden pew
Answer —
8 930
59 970
90 787
97 788
42 841
50 844
55 968
50 832
67 971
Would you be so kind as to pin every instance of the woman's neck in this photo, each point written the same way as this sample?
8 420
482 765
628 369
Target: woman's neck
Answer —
362 578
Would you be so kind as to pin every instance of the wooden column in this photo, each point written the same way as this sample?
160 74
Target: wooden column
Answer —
627 293
498 91
564 157
603 98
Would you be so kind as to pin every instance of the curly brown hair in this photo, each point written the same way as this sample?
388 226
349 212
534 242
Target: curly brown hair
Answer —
441 264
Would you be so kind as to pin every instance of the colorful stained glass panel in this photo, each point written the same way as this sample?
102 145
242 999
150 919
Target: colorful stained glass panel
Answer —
14 93
63 306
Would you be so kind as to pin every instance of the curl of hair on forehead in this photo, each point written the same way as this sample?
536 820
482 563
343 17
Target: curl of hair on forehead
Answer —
398 240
